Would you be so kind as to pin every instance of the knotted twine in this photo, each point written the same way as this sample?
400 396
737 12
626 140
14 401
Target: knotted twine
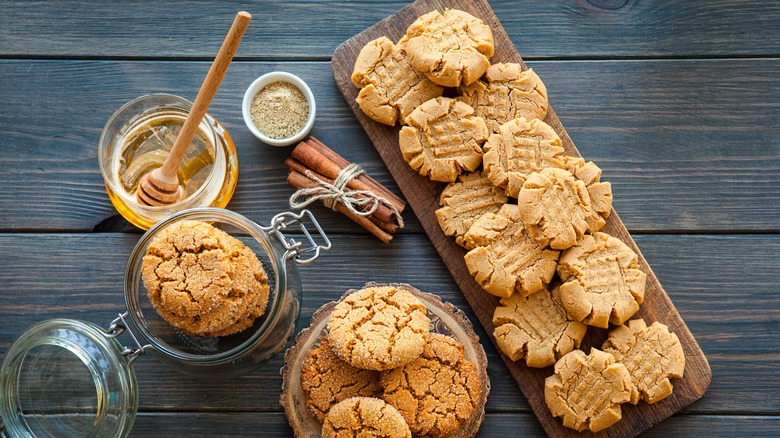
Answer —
360 202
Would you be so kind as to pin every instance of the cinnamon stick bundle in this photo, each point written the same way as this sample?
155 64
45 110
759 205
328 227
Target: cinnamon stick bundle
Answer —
316 168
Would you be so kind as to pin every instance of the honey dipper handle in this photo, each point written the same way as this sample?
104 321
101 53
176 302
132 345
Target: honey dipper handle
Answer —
206 94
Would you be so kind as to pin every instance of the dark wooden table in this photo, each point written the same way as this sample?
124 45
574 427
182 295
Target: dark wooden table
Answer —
678 102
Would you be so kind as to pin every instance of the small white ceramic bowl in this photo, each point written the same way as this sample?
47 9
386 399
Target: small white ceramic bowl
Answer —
269 78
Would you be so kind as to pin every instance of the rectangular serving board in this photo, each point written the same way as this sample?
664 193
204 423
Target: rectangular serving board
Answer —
422 195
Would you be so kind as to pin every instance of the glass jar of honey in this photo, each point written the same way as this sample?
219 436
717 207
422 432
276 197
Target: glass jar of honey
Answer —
137 139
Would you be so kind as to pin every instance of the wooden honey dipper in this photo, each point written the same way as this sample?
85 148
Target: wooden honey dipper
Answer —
161 185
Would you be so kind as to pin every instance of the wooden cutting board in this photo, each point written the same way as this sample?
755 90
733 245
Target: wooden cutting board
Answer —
422 195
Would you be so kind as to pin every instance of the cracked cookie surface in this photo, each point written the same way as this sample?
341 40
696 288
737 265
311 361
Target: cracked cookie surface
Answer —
450 49
536 328
364 417
652 355
517 149
506 92
464 201
327 380
378 328
505 258
390 88
602 281
587 391
203 281
442 139
436 393
555 207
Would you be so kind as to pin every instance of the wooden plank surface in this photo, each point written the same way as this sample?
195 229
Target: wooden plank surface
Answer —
313 29
275 425
696 153
422 196
734 318
677 100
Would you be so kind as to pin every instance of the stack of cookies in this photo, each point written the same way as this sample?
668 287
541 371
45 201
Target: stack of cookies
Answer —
529 215
203 281
380 368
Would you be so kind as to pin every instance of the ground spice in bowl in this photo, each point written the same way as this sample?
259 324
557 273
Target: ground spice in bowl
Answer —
280 110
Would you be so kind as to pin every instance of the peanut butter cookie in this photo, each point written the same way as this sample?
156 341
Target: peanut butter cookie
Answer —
203 281
505 258
390 88
555 207
519 148
327 380
536 328
443 139
651 354
600 192
378 328
450 49
586 391
464 201
506 92
364 417
602 282
437 392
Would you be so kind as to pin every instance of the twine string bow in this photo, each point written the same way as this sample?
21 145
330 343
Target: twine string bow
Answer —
360 202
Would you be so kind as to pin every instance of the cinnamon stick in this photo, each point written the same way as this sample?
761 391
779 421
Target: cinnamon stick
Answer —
382 212
341 162
299 180
316 161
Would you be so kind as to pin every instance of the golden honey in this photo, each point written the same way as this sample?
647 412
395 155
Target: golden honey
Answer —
137 140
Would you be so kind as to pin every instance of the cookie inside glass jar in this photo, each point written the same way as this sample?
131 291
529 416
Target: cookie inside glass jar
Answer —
203 281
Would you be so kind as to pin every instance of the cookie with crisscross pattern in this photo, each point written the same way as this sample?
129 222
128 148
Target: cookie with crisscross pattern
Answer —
443 138
464 201
450 48
505 258
390 88
536 328
652 356
602 280
586 391
506 92
519 148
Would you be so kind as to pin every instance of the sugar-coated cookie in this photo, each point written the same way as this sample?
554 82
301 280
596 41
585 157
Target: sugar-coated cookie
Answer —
378 328
436 393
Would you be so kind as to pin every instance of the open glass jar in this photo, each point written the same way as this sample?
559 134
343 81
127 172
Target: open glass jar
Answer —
65 377
137 138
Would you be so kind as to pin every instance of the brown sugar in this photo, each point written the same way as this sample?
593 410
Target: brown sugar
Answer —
280 110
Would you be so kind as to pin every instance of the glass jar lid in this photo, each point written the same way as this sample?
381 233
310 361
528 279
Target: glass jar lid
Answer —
65 377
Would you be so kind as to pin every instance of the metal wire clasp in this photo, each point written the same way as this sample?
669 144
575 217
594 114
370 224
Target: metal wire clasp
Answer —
295 250
119 326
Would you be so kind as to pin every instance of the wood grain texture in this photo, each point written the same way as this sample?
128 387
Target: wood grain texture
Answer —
422 196
229 424
696 153
313 29
724 286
